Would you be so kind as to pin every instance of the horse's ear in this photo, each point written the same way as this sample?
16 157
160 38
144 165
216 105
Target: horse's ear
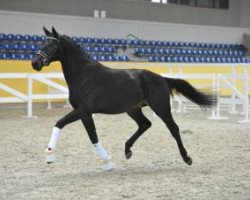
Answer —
54 32
46 31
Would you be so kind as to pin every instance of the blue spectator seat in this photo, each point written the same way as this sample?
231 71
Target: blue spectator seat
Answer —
36 38
6 56
19 37
90 40
82 40
43 37
151 59
8 46
15 56
75 39
186 59
27 38
188 52
3 37
11 37
173 51
110 41
17 47
183 51
96 40
178 51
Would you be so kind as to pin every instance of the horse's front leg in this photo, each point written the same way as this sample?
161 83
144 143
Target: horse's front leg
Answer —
89 125
73 116
79 113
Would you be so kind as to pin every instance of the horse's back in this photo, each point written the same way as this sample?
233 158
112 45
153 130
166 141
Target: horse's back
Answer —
135 81
116 91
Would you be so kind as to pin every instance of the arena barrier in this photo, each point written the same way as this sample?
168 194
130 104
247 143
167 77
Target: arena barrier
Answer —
30 96
218 81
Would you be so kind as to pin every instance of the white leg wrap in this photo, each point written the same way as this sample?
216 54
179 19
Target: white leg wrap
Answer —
50 151
54 138
108 165
101 151
50 156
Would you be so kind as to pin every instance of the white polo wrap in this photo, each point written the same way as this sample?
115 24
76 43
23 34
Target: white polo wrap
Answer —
101 151
56 132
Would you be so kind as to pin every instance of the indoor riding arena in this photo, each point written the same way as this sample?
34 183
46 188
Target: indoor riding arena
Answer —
125 99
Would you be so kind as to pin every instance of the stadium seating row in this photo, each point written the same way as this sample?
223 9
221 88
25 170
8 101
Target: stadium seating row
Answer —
98 57
19 47
179 51
191 59
124 42
140 51
103 57
8 47
105 49
19 37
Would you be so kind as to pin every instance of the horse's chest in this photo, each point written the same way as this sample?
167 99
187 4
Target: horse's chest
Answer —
84 96
74 97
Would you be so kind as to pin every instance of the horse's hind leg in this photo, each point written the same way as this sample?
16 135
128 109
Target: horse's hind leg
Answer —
143 123
160 104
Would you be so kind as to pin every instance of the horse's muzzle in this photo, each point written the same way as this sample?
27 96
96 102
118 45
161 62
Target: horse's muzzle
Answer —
36 66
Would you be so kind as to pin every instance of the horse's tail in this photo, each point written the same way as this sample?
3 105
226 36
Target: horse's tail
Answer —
203 99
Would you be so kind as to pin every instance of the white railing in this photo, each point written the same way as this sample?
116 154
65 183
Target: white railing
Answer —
182 102
218 80
242 96
18 96
30 96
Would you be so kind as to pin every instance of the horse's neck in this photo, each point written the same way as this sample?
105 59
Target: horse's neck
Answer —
75 64
74 68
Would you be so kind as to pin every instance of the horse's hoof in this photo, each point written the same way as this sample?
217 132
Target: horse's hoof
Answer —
50 156
189 161
129 154
108 165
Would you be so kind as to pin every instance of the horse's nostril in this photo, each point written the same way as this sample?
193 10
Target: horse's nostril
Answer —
36 66
33 64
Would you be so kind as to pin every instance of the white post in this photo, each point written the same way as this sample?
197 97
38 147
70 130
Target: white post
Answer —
216 113
30 91
244 88
179 100
214 89
233 96
218 96
245 93
49 103
184 102
171 98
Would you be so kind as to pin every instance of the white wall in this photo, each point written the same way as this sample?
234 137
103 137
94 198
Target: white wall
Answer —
245 13
133 10
31 23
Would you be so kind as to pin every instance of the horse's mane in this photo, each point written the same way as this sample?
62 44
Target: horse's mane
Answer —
77 46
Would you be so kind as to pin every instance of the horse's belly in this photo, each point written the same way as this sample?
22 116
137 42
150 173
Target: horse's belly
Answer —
115 104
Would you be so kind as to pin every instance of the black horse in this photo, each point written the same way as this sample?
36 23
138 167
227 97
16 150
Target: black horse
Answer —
95 88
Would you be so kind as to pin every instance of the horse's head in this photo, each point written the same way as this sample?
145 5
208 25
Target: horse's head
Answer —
49 52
